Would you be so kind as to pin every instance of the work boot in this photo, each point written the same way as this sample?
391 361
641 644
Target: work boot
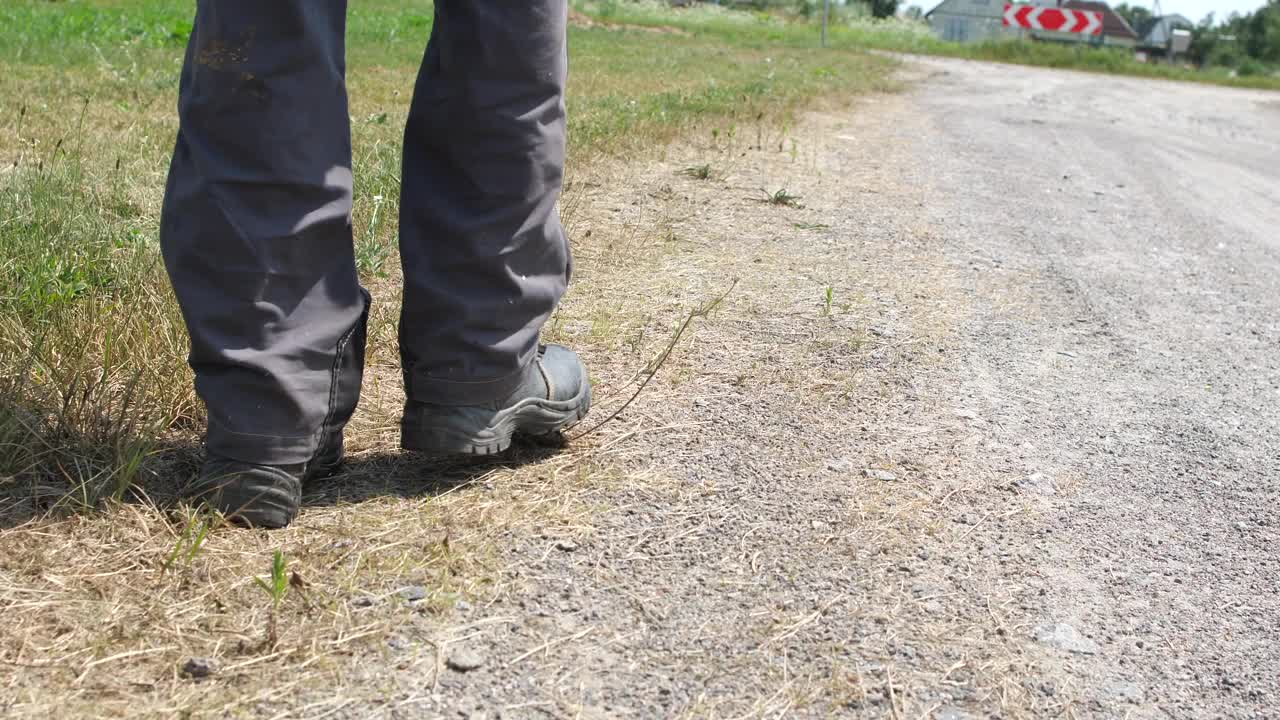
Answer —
268 496
554 395
261 496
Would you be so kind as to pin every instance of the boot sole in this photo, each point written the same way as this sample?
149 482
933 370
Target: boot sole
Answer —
533 417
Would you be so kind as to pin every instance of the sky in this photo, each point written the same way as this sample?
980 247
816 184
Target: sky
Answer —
1197 9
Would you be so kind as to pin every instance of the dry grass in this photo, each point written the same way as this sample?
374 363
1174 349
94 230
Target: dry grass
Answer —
115 584
114 606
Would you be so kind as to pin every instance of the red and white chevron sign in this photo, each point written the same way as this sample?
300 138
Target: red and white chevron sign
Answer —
1085 22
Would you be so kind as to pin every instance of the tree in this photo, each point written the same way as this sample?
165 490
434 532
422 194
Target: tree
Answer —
883 8
1211 47
1136 15
1249 43
1263 33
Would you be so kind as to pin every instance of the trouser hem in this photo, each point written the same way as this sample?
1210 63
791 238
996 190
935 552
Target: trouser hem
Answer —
260 449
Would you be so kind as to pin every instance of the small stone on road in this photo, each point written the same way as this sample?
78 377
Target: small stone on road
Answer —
1066 637
464 660
1037 483
199 667
413 593
1126 692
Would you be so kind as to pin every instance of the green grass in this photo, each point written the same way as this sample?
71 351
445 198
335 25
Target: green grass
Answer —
276 589
913 37
94 388
1068 57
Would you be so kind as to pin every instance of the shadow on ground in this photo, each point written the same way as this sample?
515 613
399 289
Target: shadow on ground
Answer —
408 475
365 477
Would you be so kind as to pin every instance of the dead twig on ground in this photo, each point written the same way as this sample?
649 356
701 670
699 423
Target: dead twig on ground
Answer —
796 627
550 644
654 367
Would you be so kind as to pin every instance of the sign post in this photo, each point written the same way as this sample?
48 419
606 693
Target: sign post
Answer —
826 16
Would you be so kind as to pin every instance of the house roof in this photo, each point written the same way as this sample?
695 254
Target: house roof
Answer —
990 8
1156 31
1113 25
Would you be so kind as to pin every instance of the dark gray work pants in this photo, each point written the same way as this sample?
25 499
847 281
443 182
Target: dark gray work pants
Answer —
256 227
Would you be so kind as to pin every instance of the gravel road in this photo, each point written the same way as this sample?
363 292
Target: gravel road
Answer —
987 428
1141 221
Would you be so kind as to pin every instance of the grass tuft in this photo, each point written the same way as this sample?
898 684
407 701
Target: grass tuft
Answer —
781 197
276 588
698 172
